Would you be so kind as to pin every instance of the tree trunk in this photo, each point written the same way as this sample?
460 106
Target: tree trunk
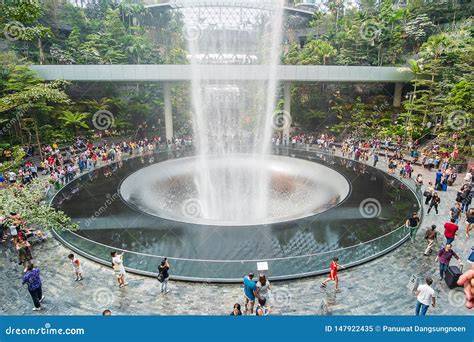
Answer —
40 51
38 142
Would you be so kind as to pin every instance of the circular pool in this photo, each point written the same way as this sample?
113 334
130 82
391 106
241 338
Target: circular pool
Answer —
326 206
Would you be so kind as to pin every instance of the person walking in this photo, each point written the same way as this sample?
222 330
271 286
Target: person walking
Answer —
425 296
450 229
333 274
429 193
33 279
76 267
444 257
412 223
163 275
469 221
435 200
431 236
250 286
119 269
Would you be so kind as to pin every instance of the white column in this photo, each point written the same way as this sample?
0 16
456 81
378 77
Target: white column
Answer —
168 112
287 106
397 96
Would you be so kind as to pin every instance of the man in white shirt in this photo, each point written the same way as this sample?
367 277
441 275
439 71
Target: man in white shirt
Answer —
425 296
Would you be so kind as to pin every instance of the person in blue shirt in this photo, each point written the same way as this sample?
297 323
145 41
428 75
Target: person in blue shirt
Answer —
250 286
439 175
32 278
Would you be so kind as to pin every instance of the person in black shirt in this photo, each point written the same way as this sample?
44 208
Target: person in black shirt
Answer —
412 223
236 310
163 275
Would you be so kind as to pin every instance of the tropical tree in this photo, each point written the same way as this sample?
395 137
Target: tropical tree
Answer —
75 120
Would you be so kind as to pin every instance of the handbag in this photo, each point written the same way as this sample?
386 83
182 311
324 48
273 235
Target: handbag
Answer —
160 277
426 193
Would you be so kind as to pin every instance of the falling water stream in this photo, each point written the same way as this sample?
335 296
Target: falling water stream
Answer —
229 114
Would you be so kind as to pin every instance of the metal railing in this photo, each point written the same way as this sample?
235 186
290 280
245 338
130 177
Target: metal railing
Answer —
218 270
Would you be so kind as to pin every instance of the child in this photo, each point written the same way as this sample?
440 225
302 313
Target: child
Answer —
333 274
76 266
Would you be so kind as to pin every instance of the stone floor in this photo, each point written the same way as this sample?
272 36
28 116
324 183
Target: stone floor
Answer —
379 287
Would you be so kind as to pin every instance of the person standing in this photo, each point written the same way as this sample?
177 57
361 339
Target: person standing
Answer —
455 212
119 269
431 236
262 309
236 310
412 223
76 267
439 175
333 274
435 200
250 286
376 159
33 279
444 257
425 296
419 182
469 221
263 288
163 275
450 229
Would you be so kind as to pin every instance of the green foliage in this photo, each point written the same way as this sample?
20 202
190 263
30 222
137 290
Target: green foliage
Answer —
29 203
75 120
16 160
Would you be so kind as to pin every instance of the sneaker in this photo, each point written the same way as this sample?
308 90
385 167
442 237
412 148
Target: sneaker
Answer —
440 278
42 298
167 291
337 291
81 278
323 285
125 284
37 309
77 279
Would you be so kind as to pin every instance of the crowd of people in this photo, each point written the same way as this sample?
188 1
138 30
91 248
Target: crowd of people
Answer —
62 165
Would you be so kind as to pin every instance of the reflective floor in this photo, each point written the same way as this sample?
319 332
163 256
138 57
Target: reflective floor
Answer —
365 224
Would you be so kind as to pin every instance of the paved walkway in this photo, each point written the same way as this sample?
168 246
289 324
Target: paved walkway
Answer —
378 287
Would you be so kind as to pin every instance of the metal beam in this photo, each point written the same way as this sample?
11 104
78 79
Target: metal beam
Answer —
157 73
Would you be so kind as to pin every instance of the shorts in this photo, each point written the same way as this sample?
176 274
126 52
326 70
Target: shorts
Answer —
333 275
248 300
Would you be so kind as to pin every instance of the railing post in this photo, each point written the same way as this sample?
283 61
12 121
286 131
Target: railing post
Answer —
168 111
